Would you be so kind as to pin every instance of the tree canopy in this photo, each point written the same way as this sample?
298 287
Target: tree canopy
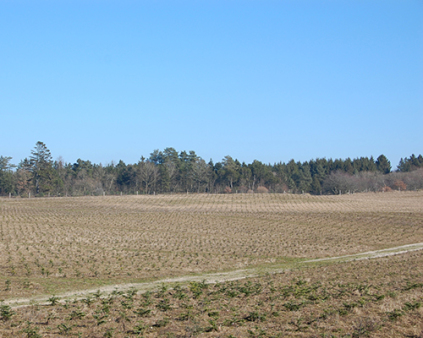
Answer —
170 171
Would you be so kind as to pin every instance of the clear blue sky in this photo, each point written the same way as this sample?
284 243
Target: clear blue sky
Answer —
266 80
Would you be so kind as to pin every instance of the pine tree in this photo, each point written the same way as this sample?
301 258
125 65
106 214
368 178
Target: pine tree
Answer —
316 188
41 167
383 165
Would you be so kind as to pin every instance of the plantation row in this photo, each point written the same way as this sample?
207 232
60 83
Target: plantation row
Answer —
168 171
60 244
377 298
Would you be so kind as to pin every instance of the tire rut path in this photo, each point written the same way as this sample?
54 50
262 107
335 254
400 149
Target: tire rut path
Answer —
210 277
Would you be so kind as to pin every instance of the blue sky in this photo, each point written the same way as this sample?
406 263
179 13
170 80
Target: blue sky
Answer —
266 80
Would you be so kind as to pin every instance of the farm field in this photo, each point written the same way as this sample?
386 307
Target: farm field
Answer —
54 245
380 297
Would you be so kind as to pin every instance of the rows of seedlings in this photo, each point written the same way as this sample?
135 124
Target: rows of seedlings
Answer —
369 298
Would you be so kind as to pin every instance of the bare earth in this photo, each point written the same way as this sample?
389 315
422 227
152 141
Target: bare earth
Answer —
210 277
58 245
239 265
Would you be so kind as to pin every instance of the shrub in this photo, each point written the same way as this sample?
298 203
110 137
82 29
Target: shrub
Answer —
6 312
227 190
262 190
400 185
243 189
31 332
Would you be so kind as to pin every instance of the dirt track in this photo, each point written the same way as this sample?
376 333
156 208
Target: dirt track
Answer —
213 277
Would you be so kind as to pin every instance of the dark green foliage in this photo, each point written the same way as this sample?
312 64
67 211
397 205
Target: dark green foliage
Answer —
97 294
53 300
408 306
77 314
147 298
109 333
255 316
411 163
164 305
7 179
162 322
186 315
213 314
383 164
31 332
213 326
316 188
411 286
167 171
138 329
179 294
394 315
260 305
197 288
88 300
142 312
41 166
6 312
64 328
379 297
250 289
293 306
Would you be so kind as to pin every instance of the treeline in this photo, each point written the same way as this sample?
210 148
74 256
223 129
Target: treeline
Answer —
168 171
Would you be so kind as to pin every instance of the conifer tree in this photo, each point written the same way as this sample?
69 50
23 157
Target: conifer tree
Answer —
41 167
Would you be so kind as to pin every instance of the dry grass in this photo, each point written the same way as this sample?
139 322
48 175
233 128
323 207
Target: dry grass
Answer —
372 298
51 245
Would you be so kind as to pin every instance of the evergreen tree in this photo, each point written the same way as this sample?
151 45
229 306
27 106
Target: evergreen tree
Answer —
156 157
6 176
316 188
372 165
293 175
230 171
410 164
164 179
317 170
383 165
348 166
305 179
41 166
127 177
